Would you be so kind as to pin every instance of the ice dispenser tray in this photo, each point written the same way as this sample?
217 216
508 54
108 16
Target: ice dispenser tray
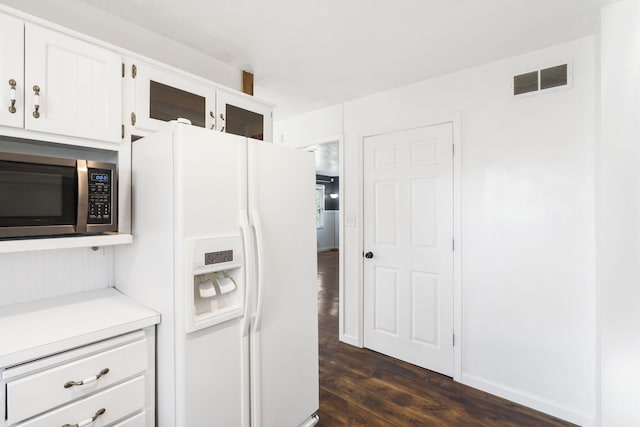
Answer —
215 281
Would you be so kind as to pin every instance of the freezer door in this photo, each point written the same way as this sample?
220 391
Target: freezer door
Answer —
212 365
284 348
210 182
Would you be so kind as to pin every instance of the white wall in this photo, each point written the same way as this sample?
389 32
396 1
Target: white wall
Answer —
94 22
528 286
28 276
618 215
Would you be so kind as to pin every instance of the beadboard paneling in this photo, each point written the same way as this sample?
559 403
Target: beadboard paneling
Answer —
29 276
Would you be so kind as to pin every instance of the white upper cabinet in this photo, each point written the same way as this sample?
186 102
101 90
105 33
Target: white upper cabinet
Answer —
161 96
69 86
72 87
11 71
243 116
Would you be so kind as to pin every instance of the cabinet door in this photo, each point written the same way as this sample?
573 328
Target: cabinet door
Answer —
243 116
11 71
79 86
161 96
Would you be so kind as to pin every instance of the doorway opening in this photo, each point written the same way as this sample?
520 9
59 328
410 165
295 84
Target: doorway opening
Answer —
329 220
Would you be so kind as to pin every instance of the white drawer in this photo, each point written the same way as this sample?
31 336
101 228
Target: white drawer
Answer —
44 390
137 420
117 402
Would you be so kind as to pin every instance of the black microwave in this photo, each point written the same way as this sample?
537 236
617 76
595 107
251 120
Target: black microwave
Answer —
42 196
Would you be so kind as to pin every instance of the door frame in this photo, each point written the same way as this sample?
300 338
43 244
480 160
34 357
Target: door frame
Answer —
455 120
341 255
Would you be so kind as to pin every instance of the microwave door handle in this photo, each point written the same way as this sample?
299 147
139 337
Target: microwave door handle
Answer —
83 196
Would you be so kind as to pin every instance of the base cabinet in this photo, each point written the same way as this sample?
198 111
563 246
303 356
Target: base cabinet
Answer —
105 382
100 409
85 359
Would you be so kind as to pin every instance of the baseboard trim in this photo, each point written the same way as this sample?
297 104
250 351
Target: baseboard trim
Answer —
529 400
331 248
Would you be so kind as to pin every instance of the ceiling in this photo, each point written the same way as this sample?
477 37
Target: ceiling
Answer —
327 158
307 54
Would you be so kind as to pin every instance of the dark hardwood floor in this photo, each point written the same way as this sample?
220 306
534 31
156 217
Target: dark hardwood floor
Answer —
359 387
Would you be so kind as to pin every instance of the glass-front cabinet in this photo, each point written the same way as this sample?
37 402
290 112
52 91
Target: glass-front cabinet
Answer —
243 116
161 96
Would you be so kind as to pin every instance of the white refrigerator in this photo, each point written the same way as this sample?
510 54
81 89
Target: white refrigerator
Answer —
225 249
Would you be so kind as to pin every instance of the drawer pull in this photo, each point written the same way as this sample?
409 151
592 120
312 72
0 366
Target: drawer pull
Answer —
87 380
88 420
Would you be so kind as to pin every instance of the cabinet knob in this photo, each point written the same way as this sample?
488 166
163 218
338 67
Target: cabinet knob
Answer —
213 120
36 101
12 96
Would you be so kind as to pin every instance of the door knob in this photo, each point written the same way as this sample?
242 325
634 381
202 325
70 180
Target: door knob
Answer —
368 255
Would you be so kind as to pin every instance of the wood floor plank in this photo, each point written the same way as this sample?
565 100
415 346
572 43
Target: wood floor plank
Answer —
359 387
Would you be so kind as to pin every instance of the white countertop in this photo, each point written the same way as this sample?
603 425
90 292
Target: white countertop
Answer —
35 329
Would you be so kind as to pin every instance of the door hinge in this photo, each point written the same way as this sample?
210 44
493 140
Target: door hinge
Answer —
453 244
123 70
122 131
453 149
133 119
134 71
453 339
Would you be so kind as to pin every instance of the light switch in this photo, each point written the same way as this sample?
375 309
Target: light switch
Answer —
350 220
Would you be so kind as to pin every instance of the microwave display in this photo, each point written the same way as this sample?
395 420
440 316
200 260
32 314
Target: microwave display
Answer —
100 177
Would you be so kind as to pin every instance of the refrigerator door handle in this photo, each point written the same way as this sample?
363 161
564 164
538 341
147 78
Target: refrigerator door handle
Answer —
249 260
257 225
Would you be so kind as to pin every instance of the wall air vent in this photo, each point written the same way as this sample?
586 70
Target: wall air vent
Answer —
541 80
553 77
525 83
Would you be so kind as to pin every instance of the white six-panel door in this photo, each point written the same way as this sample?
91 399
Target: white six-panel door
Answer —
79 86
408 231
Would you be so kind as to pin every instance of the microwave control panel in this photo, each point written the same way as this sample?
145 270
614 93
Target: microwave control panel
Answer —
100 203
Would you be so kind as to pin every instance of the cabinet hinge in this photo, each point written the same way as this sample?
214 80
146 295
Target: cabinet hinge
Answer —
122 131
453 244
134 71
133 119
123 70
453 149
453 339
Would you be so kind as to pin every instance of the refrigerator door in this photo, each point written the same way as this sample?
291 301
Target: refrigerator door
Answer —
284 352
